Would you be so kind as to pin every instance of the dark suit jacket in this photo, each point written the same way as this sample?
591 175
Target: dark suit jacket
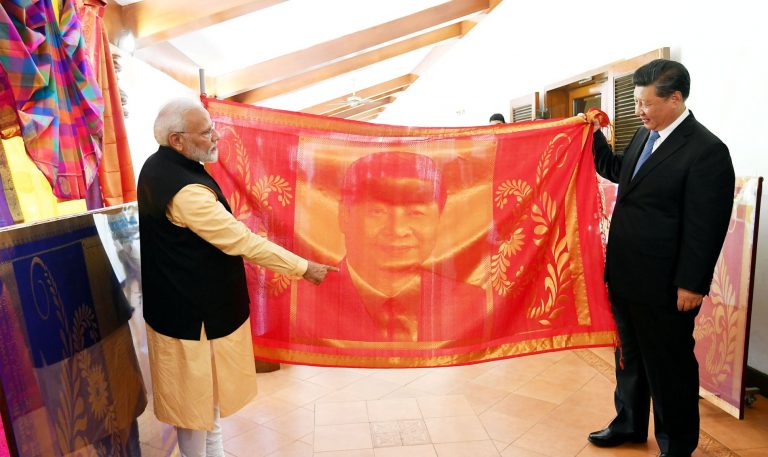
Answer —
444 308
670 221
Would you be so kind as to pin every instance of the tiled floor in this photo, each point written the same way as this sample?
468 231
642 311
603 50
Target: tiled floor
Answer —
542 405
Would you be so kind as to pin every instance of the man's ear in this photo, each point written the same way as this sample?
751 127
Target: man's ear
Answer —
175 141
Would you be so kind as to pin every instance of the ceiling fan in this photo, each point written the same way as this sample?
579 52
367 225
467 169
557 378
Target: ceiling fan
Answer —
353 101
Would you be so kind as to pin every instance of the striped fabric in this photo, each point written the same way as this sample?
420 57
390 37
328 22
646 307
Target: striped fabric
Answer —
57 99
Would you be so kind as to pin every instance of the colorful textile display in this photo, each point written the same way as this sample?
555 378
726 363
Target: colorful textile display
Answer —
116 178
68 369
722 325
455 245
58 101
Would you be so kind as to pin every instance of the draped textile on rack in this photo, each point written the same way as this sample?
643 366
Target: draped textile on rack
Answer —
512 253
116 177
58 101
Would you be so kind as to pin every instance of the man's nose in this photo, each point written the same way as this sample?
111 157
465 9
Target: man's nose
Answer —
638 109
399 224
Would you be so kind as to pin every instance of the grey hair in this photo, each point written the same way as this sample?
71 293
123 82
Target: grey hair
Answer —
170 118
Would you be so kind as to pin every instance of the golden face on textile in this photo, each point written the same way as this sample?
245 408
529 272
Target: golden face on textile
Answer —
455 245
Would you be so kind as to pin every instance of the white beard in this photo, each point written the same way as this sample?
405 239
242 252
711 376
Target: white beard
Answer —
201 155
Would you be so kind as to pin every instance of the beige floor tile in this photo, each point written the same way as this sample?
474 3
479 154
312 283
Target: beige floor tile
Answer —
570 371
302 371
622 451
342 437
301 393
414 432
407 392
401 376
445 406
606 354
424 450
505 429
295 449
352 453
385 434
393 409
467 449
295 424
269 383
454 429
501 379
522 407
575 419
348 412
438 382
465 372
265 409
528 365
735 434
480 397
235 425
337 378
368 389
556 443
259 442
595 397
511 404
514 451
546 390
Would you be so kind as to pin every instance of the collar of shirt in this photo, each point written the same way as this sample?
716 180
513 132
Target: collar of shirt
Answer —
396 315
664 133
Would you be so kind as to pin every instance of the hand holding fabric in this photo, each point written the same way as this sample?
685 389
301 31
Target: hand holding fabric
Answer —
316 272
687 300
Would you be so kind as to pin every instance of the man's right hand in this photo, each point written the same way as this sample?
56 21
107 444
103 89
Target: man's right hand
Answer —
595 121
316 272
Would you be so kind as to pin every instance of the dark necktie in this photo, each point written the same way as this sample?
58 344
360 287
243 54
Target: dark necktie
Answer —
646 151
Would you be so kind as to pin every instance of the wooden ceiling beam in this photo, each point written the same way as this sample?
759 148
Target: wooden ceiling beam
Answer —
339 111
371 93
353 63
155 21
272 70
368 116
169 60
365 107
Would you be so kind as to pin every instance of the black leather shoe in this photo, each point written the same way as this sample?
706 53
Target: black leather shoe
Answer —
609 438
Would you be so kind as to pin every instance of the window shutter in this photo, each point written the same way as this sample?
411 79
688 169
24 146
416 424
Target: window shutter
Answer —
524 108
522 113
624 120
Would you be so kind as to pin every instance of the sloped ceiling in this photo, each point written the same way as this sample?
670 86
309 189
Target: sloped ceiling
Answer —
343 58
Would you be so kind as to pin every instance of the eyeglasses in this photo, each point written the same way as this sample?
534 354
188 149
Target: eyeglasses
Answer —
205 133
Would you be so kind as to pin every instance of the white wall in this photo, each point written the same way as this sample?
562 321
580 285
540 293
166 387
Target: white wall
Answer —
523 47
147 89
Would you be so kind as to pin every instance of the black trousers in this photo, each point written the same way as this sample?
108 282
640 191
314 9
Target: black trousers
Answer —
655 362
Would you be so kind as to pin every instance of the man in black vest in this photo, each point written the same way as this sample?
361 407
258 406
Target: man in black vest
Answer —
195 297
673 206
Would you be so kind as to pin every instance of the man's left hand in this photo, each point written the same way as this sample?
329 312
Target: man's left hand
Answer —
687 300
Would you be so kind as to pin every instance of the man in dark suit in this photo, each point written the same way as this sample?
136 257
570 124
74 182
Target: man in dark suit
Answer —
389 213
676 184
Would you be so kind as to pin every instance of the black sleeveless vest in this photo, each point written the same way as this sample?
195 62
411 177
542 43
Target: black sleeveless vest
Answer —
186 281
